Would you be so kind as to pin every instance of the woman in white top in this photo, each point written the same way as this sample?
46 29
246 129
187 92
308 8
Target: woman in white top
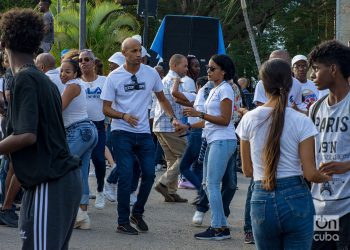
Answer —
93 84
220 135
81 132
275 142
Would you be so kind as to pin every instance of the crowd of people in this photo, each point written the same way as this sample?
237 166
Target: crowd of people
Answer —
57 120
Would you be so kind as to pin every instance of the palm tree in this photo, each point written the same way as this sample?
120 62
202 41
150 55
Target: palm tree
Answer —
107 26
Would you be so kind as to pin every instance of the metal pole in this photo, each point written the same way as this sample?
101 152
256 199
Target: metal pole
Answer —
145 25
342 21
58 6
82 25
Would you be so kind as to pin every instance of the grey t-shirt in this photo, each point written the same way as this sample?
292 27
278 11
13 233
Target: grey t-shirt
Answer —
333 144
48 20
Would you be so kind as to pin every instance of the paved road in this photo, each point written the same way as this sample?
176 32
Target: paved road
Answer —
169 223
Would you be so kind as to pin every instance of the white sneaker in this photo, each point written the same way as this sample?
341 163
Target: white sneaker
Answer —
133 198
83 220
198 217
100 200
110 192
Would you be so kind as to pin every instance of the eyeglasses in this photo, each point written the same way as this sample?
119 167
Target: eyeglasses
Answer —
211 69
85 59
134 79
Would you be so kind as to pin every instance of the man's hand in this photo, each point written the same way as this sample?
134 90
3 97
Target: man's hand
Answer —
334 167
132 120
181 128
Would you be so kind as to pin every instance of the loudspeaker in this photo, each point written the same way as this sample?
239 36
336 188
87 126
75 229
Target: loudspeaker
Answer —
152 7
191 35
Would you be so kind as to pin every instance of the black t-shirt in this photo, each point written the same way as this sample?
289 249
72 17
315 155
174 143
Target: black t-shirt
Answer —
36 107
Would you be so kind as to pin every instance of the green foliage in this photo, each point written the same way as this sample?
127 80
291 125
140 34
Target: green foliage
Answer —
107 26
8 4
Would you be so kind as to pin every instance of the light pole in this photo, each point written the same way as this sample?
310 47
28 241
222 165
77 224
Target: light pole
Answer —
343 21
82 25
145 25
250 33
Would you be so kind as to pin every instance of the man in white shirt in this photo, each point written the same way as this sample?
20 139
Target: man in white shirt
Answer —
125 94
47 64
172 145
294 98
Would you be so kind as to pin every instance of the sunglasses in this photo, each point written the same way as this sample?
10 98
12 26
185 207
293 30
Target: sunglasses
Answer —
85 59
211 69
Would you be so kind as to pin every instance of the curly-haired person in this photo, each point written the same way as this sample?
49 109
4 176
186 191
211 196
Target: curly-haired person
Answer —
330 63
37 142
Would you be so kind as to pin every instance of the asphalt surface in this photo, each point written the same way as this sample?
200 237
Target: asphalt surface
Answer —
169 224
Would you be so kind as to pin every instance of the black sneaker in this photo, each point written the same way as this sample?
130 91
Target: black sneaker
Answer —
249 238
127 229
139 222
9 218
214 234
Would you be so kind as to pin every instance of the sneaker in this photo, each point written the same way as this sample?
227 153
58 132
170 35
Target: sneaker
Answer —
110 192
9 218
163 190
127 229
159 167
249 238
138 221
185 185
100 200
83 220
198 217
133 198
214 234
177 198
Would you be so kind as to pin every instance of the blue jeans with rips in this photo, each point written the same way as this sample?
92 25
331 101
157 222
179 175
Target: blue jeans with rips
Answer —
82 137
126 146
282 218
218 156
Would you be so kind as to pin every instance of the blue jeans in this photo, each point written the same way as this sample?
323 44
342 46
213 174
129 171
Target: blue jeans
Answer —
217 157
191 155
247 221
98 155
81 139
126 146
228 188
282 218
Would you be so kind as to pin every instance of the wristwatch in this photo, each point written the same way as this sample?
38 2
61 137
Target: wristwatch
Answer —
202 115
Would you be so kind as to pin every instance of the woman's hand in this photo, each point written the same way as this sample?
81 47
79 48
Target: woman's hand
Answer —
191 112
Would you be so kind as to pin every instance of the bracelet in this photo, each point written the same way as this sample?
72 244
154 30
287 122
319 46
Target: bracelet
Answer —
189 126
122 116
202 115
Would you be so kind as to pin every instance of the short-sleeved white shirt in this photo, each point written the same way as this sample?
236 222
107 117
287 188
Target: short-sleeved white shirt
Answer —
188 84
214 132
93 101
54 76
119 89
255 128
294 94
76 109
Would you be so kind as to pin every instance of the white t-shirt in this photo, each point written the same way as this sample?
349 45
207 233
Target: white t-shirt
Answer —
214 132
294 94
192 97
322 93
1 84
54 76
254 128
332 144
120 89
188 84
93 101
76 109
309 93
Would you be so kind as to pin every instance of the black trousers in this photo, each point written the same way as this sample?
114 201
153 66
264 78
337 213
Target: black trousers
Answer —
48 212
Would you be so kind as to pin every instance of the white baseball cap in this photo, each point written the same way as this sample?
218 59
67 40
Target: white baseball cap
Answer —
144 52
299 58
117 58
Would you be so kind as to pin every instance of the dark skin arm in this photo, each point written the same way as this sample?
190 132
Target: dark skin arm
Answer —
14 143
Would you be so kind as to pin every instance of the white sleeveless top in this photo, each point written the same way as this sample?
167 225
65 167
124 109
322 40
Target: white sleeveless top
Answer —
76 110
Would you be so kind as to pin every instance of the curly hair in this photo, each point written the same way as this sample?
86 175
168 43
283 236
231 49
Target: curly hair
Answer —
21 30
332 52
